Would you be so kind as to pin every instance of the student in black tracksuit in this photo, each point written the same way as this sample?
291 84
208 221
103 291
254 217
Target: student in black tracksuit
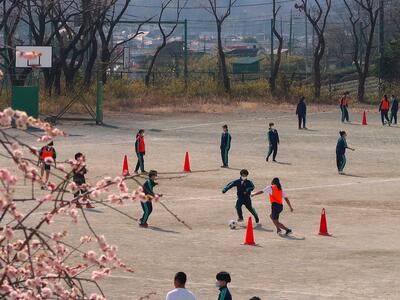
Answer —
394 107
79 171
225 146
273 139
147 205
223 278
341 147
301 112
244 188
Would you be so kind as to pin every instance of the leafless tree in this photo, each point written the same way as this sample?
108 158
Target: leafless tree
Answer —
220 14
317 14
165 33
10 18
106 29
363 17
276 65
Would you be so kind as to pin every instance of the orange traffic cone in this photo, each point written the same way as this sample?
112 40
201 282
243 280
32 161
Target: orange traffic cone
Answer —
249 234
186 166
364 119
125 169
323 227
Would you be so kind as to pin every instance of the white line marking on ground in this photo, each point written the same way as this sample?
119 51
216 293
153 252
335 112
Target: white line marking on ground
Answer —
240 120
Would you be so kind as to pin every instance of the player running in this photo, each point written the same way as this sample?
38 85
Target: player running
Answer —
276 195
244 188
45 153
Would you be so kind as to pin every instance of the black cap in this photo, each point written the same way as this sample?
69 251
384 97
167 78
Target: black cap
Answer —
223 276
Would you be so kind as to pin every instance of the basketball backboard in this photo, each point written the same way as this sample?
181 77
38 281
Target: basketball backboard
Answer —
44 60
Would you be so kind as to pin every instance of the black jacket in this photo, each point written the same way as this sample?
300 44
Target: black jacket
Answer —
301 109
273 137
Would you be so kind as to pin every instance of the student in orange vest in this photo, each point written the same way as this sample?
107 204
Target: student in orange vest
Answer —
45 153
344 107
276 196
384 109
140 149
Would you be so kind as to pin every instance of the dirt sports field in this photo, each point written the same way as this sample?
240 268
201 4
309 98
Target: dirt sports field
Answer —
360 261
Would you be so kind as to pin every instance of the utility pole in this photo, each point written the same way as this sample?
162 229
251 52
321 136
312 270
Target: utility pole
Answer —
306 56
291 33
381 42
272 45
272 37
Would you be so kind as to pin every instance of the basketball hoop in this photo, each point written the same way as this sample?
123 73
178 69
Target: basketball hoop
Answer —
35 57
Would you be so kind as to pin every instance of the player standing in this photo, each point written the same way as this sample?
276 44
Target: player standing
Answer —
225 146
341 147
223 278
140 150
343 104
147 205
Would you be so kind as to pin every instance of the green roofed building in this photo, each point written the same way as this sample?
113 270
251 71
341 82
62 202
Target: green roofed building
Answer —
246 65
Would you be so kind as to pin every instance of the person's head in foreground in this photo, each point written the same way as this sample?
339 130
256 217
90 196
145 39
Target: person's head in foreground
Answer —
153 175
243 174
277 183
302 99
225 128
343 134
180 280
255 298
223 278
271 125
79 156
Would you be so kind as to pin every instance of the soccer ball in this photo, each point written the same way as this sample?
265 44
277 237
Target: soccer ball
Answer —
232 224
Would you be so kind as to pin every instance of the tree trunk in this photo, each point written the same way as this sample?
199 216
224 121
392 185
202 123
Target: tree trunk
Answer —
222 61
317 77
362 78
105 61
152 62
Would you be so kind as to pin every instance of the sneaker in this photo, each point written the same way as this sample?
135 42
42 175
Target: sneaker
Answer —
266 159
288 231
278 231
257 220
145 225
274 160
240 220
90 205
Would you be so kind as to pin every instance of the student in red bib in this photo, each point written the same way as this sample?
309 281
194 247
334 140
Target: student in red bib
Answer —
343 104
384 110
46 152
140 150
276 196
